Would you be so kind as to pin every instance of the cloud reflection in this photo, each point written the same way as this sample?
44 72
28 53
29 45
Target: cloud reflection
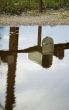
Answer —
41 88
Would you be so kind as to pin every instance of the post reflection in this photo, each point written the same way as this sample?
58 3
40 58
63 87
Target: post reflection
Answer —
59 52
47 60
39 35
35 54
45 56
11 60
42 53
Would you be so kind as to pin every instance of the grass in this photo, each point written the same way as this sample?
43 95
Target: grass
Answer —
19 6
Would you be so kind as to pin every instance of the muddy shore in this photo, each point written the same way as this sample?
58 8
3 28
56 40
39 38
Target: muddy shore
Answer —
46 18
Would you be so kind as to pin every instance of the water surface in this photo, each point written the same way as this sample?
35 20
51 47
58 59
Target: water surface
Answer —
25 84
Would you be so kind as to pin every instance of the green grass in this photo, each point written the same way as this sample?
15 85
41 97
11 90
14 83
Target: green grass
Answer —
19 6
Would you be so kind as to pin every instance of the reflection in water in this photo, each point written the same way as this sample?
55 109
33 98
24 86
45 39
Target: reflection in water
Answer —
0 39
47 60
1 106
39 35
47 51
11 59
46 56
59 52
35 53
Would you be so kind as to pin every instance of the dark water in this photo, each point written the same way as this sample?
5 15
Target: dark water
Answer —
28 80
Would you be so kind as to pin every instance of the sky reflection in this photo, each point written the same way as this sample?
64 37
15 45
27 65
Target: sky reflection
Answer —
41 88
58 33
28 35
33 87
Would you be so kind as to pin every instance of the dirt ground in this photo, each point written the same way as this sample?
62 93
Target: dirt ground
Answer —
50 17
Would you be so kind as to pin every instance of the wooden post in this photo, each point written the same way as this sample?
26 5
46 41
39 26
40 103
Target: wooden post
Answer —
13 41
12 59
39 35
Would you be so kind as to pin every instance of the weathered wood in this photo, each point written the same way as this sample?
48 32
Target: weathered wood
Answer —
39 35
11 60
34 48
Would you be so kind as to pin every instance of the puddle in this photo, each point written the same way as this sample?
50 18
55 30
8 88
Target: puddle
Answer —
32 78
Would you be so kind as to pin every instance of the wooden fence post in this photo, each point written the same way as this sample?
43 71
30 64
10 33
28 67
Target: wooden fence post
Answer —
39 35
